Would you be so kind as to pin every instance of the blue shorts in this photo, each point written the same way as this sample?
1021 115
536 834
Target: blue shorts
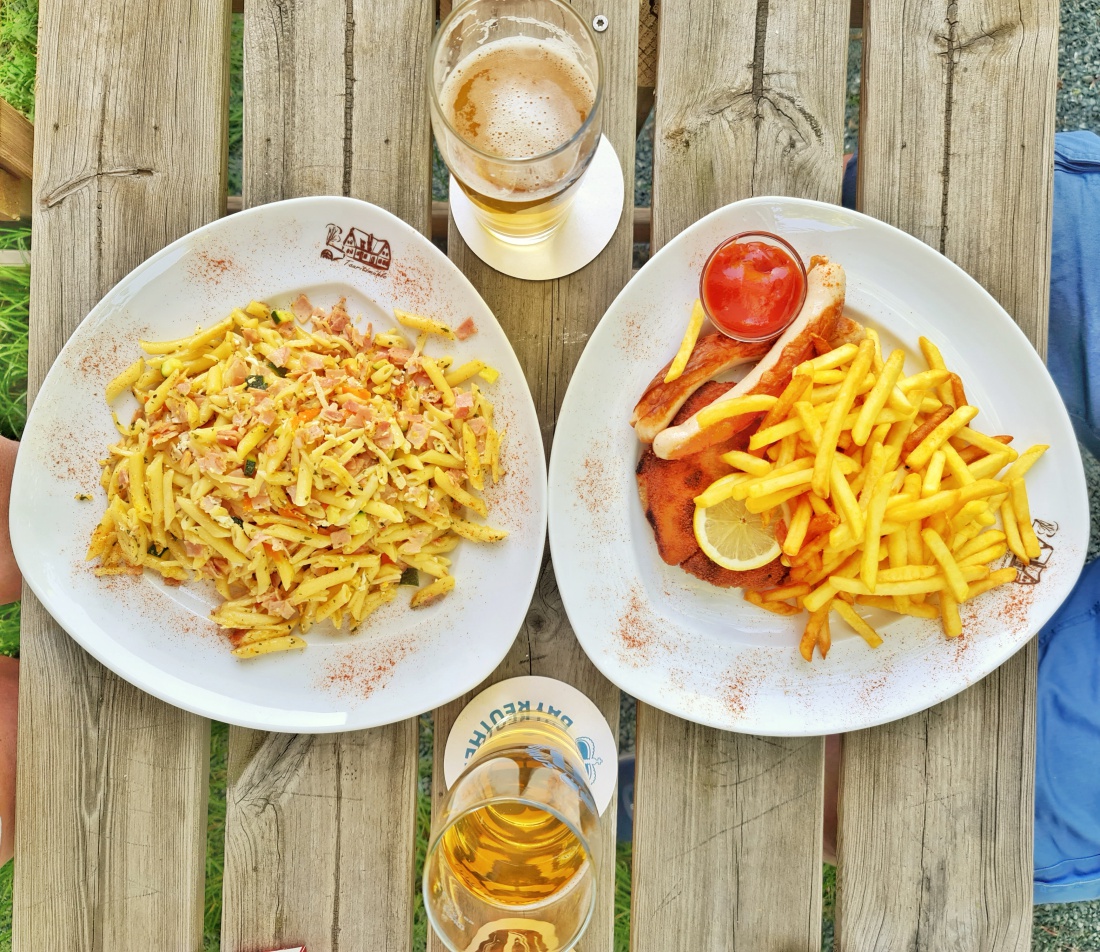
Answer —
1067 769
1067 755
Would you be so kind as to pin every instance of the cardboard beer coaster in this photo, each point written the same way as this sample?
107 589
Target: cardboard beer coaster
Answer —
584 234
575 712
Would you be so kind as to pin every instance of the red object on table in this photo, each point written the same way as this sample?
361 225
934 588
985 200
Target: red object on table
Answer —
753 286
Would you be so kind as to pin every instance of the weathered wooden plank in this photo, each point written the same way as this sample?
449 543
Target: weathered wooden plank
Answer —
320 829
16 151
956 137
112 783
16 141
548 324
15 196
727 827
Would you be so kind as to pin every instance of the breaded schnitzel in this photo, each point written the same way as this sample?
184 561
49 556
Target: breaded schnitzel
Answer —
668 489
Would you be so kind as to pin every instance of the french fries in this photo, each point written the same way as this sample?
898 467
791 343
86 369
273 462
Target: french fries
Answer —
687 345
889 497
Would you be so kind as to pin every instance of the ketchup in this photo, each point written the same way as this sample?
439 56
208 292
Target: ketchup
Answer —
752 289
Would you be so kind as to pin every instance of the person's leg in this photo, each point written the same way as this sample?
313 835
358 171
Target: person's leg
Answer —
9 716
10 580
10 586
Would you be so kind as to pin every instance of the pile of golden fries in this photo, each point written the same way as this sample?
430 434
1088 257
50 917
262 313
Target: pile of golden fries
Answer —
881 492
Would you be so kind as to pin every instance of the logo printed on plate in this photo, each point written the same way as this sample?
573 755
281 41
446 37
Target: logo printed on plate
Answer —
358 248
1031 574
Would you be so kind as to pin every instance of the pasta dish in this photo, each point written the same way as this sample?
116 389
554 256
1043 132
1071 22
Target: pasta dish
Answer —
308 472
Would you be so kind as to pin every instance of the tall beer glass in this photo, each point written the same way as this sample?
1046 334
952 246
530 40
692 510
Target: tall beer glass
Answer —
516 103
510 864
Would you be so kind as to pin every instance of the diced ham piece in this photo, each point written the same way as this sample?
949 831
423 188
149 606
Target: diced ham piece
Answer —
361 419
399 356
266 414
312 361
340 537
417 435
464 404
279 356
230 436
332 413
415 543
286 329
466 329
301 307
251 334
163 432
236 373
211 462
277 606
353 337
183 386
193 549
312 433
479 426
338 319
384 439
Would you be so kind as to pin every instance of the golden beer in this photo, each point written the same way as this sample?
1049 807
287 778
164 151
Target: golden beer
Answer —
513 853
516 111
510 863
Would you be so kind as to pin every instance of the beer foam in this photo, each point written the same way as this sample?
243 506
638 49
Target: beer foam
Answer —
518 98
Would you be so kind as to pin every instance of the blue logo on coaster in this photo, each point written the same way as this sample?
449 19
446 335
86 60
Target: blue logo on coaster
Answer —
587 747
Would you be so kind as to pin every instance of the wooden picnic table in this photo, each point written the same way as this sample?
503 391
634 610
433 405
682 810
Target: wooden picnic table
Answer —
935 836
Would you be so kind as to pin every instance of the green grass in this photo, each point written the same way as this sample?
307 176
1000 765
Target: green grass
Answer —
236 102
18 45
14 305
215 837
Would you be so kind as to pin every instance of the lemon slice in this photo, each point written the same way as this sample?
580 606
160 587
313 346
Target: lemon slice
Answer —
733 537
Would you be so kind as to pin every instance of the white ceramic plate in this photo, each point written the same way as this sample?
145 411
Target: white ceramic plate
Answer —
703 653
161 639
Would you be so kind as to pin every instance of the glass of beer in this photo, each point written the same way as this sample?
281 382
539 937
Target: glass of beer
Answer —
510 864
516 103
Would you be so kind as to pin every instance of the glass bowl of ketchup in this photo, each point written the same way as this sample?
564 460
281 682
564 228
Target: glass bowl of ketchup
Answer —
753 285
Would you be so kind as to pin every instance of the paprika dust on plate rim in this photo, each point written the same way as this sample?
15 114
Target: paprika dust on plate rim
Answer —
752 286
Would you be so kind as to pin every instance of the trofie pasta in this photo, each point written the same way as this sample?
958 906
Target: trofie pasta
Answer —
307 472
